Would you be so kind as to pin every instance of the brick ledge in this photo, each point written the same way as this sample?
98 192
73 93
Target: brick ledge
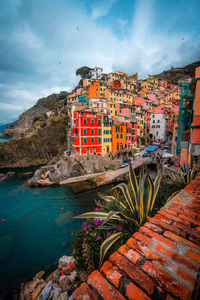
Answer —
160 261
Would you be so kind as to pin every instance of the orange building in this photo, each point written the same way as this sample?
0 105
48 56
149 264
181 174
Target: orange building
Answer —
94 90
118 136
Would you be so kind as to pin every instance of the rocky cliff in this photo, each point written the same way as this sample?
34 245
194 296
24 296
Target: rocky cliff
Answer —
37 149
175 74
24 125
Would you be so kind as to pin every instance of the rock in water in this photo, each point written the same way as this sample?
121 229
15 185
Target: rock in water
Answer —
46 291
65 260
32 289
63 296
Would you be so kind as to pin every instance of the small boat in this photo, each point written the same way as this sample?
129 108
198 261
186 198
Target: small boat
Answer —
124 166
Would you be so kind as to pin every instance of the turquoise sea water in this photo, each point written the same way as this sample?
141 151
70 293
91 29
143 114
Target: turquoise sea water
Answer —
37 227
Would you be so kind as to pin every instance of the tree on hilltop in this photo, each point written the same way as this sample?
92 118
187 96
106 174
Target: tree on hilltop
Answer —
83 71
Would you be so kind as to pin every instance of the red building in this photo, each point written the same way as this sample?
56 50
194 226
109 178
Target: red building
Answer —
115 84
86 132
131 135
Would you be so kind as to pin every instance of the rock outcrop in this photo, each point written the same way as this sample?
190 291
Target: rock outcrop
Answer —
56 286
37 149
72 166
25 122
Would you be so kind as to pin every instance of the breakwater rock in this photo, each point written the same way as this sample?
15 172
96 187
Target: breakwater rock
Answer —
56 286
72 166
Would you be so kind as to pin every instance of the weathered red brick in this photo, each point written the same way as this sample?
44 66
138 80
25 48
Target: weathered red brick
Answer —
153 227
186 276
162 218
112 273
134 273
176 257
191 231
134 293
133 244
172 217
103 287
168 282
129 253
84 292
189 219
143 238
163 250
194 256
168 227
149 254
178 239
158 237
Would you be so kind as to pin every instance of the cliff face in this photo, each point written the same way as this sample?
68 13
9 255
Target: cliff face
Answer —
36 150
24 124
175 74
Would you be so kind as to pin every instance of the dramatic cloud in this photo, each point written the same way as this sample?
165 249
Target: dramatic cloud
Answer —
43 43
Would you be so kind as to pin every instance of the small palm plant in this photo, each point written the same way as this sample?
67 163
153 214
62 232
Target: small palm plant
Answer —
183 176
128 204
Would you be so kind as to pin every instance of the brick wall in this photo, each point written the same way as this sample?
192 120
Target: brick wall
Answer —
160 261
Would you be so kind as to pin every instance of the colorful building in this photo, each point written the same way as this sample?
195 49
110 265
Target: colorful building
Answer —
86 132
118 130
106 134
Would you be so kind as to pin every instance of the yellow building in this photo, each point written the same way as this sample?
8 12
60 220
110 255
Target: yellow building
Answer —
106 135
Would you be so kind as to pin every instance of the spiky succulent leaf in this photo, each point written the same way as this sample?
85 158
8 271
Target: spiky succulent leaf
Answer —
105 246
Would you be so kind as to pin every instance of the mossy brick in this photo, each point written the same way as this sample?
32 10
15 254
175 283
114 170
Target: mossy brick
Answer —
103 287
134 273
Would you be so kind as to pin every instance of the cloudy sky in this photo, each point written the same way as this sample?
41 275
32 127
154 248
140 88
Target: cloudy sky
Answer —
43 42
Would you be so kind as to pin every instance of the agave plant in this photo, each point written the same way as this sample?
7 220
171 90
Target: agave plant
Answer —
183 176
132 203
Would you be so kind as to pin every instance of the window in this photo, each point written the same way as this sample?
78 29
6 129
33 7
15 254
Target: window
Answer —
82 113
85 140
92 131
99 122
153 116
92 121
117 146
99 140
117 136
92 140
99 131
121 136
153 121
85 131
158 121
